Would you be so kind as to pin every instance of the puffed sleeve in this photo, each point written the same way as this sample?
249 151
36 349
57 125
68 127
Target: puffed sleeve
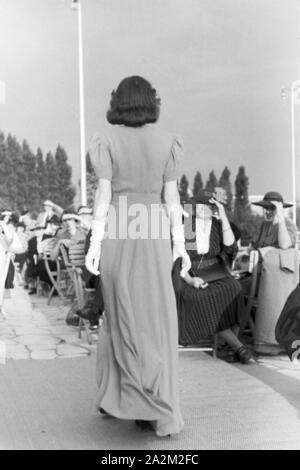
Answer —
99 151
172 168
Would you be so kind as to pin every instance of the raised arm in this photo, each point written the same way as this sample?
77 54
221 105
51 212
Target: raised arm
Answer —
284 238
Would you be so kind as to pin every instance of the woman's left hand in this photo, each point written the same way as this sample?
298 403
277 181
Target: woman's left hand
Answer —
279 210
219 205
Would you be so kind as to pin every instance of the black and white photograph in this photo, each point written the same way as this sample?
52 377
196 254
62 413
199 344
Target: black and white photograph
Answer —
149 228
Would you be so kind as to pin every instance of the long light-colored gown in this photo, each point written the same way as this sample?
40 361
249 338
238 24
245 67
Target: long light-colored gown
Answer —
137 352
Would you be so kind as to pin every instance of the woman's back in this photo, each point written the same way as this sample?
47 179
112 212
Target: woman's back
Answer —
137 352
141 159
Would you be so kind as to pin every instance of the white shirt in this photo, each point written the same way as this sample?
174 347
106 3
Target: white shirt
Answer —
203 229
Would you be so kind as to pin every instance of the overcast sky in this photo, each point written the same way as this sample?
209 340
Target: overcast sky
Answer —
218 65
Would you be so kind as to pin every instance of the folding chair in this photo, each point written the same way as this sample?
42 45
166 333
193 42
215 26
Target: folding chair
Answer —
203 344
68 267
251 298
208 344
54 275
75 262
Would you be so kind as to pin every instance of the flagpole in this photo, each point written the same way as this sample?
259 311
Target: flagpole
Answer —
81 105
2 92
293 88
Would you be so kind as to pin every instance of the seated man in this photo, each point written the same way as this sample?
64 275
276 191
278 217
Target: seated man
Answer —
49 209
280 274
70 234
45 246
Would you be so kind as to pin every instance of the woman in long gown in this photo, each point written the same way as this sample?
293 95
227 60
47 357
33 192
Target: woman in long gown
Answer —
137 351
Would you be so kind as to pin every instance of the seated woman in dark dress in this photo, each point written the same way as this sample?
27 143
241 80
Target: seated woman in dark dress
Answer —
214 307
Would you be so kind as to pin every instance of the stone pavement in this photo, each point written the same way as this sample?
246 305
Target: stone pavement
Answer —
48 390
31 329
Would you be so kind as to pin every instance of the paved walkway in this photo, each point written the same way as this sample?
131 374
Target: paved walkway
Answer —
31 329
47 390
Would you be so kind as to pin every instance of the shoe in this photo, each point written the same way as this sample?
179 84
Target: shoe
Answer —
230 358
72 321
88 313
94 328
104 413
81 313
144 425
244 355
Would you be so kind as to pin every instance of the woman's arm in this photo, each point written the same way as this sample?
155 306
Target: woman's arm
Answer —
175 213
284 239
194 281
102 200
227 233
173 206
101 205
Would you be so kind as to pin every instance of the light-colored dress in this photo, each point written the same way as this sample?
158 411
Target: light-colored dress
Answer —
138 343
279 275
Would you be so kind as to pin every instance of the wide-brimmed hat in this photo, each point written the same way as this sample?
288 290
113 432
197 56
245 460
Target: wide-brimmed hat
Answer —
266 202
203 196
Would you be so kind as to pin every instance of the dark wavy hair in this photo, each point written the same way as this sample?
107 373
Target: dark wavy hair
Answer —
134 103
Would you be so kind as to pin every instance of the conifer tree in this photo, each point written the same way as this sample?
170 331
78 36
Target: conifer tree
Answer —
225 183
32 200
64 178
212 181
198 183
91 181
41 177
242 206
5 171
53 188
16 183
183 189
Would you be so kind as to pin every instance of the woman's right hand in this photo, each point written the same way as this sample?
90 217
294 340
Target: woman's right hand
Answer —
180 252
185 264
198 282
92 259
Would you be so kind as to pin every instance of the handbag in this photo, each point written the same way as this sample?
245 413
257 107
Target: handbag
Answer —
213 273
